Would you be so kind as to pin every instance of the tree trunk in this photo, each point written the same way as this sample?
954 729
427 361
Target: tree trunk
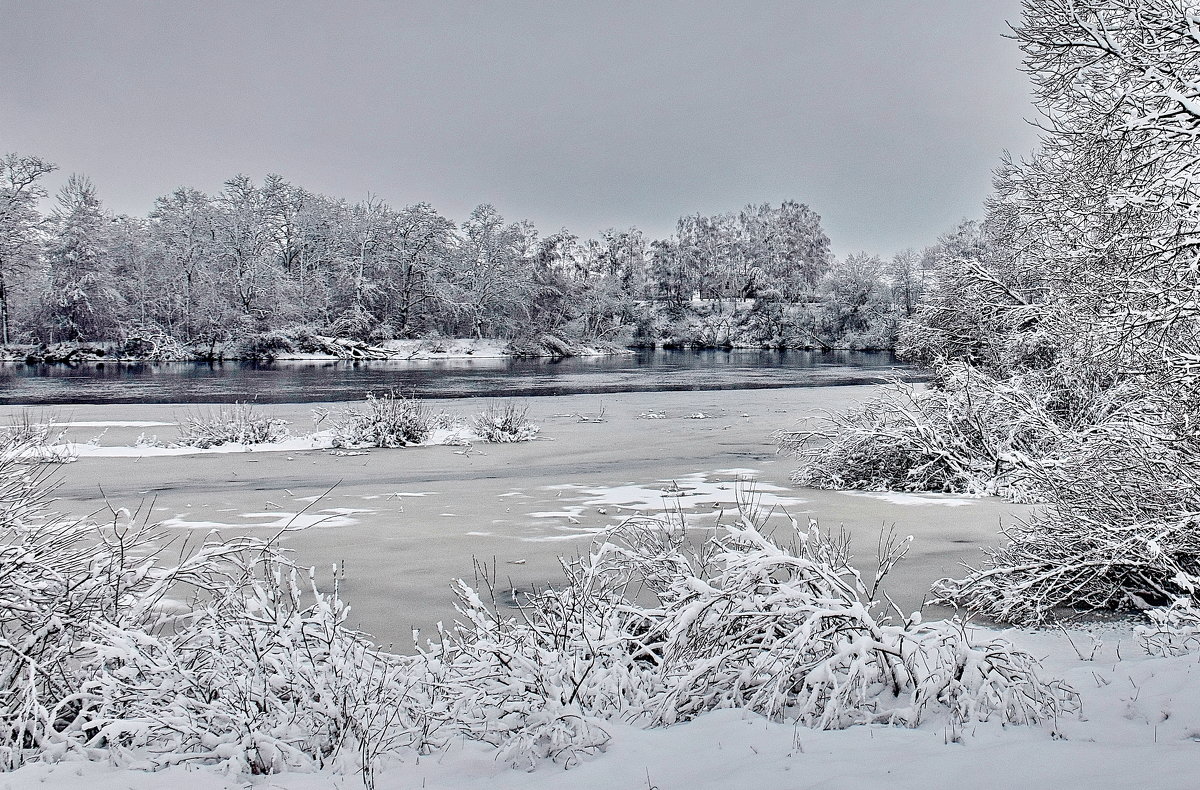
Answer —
3 311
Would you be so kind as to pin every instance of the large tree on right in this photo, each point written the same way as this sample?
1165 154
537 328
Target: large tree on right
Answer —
1064 332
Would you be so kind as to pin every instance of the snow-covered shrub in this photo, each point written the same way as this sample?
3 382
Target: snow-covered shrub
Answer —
969 434
794 632
260 675
1108 458
1120 527
40 440
1112 465
115 649
1173 630
264 345
653 629
151 342
542 344
239 423
389 420
515 685
505 422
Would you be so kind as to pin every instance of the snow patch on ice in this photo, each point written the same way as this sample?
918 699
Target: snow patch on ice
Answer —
570 512
701 490
449 436
109 424
399 494
275 519
319 441
900 498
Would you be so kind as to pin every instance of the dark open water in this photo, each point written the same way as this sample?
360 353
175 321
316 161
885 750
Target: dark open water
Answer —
315 381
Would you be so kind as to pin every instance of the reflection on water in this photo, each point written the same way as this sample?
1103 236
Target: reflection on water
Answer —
314 381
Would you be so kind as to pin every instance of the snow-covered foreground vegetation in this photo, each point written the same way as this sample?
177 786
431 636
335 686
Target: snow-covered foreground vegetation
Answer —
658 661
1139 720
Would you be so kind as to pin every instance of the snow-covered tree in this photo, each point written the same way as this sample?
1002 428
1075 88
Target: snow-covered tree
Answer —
183 233
1065 331
908 274
797 249
740 253
249 258
491 281
857 297
82 301
671 278
419 253
20 240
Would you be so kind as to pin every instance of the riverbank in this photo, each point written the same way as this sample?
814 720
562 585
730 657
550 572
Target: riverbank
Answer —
406 522
300 344
281 346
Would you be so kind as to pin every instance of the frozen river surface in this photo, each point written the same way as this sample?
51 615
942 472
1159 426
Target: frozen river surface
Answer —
406 522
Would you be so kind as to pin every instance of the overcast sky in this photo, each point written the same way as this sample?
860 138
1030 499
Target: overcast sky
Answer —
885 117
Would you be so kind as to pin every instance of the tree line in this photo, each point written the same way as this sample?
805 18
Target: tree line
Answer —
257 259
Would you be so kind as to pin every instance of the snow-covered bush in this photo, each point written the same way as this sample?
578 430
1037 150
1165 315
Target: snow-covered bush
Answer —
1120 526
968 431
116 649
239 423
505 422
1073 307
151 342
969 434
260 675
41 442
264 345
1173 630
654 629
389 420
1109 465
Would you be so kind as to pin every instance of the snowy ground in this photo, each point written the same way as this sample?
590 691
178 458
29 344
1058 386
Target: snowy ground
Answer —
1139 728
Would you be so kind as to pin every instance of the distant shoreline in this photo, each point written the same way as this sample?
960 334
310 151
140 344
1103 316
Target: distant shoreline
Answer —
110 352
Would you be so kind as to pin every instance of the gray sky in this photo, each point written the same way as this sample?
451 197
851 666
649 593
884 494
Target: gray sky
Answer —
885 117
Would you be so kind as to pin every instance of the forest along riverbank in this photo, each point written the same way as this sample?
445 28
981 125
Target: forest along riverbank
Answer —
406 522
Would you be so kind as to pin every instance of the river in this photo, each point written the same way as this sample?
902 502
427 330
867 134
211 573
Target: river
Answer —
312 381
